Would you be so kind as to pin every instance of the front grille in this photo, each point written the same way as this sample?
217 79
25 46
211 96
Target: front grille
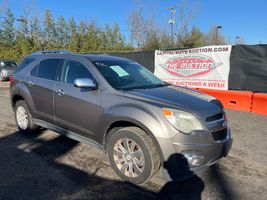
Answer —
214 117
219 135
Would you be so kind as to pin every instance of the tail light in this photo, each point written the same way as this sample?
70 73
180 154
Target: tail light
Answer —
11 78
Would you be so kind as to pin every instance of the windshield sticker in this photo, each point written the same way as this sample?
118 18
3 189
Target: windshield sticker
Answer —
100 64
121 72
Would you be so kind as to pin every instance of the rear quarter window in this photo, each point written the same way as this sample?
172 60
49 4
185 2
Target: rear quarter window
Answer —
25 62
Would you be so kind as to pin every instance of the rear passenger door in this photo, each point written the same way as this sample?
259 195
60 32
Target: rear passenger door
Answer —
41 82
76 109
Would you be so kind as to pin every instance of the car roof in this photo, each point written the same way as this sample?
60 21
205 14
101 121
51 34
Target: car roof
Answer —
104 57
91 57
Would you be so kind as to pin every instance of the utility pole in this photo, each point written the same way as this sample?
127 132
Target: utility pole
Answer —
237 40
172 21
216 33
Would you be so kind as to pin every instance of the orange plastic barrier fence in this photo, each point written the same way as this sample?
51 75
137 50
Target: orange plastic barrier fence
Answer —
236 100
259 104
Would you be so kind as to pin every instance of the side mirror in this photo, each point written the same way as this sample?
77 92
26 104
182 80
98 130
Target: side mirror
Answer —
85 83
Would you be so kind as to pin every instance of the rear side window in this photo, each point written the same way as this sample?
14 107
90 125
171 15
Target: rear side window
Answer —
74 70
25 62
47 69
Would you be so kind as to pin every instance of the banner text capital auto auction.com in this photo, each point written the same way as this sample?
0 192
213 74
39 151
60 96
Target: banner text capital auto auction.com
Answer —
205 67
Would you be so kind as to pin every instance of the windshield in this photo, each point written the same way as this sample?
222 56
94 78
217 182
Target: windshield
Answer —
8 64
127 75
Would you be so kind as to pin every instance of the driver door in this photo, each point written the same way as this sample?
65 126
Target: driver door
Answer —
76 109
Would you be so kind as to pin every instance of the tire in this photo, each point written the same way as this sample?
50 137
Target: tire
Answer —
133 155
23 118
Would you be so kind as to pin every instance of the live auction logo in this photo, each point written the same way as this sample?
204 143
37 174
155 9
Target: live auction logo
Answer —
190 66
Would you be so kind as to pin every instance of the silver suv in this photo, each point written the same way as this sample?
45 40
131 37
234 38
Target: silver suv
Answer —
7 68
115 104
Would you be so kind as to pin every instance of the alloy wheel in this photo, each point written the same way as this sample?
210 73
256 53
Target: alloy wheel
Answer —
129 157
22 118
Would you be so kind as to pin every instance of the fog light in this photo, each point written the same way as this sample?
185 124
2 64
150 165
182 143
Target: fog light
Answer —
194 158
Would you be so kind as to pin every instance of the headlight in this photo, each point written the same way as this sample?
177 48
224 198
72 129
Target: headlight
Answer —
183 121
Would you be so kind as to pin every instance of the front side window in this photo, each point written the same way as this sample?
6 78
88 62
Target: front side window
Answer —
47 69
74 70
126 75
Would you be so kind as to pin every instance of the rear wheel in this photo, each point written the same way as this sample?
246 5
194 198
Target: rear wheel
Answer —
133 155
23 117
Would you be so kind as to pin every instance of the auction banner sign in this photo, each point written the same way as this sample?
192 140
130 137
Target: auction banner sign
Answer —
204 67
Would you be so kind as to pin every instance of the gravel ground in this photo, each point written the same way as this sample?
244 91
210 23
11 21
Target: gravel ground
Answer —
46 165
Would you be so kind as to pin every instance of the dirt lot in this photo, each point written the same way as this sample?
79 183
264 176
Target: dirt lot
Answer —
46 165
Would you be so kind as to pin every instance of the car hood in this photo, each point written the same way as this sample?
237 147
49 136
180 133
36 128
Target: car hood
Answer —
180 98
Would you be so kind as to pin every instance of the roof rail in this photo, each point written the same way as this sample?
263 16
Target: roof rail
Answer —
91 53
52 52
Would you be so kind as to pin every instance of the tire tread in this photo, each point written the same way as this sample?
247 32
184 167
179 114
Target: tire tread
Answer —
149 143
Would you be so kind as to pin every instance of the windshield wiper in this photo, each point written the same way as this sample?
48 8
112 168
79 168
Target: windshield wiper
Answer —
146 86
160 85
135 88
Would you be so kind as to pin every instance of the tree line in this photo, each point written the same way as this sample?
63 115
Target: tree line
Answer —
24 35
21 36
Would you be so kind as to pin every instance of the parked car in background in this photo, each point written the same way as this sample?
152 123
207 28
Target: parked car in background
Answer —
7 69
120 107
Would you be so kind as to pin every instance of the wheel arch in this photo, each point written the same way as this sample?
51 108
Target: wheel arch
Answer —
21 92
118 124
15 99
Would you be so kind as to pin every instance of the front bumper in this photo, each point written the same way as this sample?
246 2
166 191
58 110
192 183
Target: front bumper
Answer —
184 159
213 155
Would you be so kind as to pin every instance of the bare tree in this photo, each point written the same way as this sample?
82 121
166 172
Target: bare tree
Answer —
136 20
143 29
214 37
24 22
241 40
187 11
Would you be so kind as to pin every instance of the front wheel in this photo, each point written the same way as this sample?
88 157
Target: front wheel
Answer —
133 155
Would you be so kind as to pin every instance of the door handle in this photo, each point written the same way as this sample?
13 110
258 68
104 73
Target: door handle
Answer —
30 83
60 92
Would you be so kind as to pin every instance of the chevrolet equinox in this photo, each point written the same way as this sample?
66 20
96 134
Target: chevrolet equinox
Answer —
115 104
